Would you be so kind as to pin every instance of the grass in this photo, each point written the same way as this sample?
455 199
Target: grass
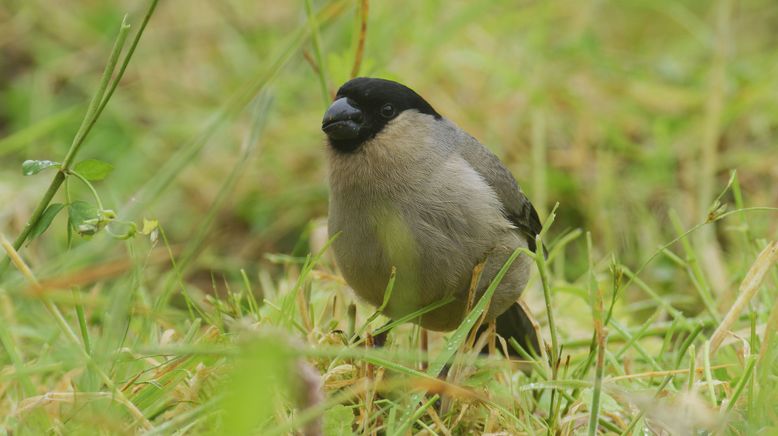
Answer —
651 124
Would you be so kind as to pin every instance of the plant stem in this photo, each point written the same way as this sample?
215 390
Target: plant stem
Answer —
82 322
127 57
96 106
317 51
90 186
36 215
595 296
364 6
741 384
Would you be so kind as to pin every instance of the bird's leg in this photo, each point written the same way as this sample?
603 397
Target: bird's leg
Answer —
380 339
424 346
352 319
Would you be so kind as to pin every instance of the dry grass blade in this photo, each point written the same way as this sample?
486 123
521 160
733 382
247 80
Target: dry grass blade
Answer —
601 334
95 273
31 403
748 288
364 6
651 374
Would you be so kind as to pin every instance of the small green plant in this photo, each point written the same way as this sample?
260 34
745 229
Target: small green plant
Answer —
84 218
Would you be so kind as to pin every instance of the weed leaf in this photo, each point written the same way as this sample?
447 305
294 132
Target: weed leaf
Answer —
45 221
83 218
30 167
93 169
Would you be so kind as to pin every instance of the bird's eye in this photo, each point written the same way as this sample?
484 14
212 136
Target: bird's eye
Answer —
387 110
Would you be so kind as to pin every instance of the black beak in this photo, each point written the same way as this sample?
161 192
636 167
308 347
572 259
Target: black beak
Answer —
342 120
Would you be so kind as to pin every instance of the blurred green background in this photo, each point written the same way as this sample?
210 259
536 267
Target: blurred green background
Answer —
630 114
619 111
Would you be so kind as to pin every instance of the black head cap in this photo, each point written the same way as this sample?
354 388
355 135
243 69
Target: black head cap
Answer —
363 106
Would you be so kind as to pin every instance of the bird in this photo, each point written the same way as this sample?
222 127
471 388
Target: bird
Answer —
411 192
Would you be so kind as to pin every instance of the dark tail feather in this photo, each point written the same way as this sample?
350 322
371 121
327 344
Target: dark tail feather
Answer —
516 323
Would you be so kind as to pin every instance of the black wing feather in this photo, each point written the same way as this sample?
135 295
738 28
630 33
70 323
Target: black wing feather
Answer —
528 223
